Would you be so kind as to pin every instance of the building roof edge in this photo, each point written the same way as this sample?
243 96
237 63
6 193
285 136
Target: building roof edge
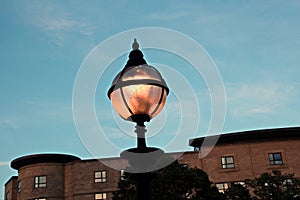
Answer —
10 179
274 134
42 158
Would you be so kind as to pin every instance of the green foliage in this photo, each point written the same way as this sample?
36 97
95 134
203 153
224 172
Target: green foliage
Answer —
177 182
275 186
237 192
126 188
174 182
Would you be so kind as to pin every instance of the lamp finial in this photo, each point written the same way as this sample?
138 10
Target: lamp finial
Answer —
135 44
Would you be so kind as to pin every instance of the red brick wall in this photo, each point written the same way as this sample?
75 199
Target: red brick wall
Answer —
12 187
250 160
75 180
83 176
55 181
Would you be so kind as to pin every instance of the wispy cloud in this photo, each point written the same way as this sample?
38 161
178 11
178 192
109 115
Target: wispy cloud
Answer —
4 163
55 110
55 20
259 98
167 16
8 123
40 111
115 133
212 18
56 24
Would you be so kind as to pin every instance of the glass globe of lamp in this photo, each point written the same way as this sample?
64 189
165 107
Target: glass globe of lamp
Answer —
138 93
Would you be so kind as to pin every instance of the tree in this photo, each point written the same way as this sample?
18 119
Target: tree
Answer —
174 182
275 186
177 182
126 188
237 192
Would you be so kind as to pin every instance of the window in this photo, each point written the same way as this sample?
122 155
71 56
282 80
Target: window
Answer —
40 181
102 195
7 196
242 183
196 148
100 177
122 173
40 199
19 186
227 162
275 158
222 187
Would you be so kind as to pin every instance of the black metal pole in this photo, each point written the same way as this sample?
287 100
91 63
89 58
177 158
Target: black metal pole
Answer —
140 131
143 186
143 179
143 162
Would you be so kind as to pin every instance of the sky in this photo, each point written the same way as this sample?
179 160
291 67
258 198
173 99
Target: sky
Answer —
254 45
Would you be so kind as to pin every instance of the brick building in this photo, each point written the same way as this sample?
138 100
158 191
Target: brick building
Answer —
235 157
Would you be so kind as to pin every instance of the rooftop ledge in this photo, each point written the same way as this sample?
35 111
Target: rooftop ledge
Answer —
275 134
42 158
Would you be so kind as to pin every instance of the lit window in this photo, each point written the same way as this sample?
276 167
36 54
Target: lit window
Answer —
100 177
227 162
40 181
242 183
222 187
40 199
19 186
102 195
122 173
275 158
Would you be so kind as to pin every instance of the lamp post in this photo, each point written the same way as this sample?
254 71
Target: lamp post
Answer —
138 93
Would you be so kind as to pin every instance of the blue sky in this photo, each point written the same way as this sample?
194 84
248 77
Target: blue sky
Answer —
255 45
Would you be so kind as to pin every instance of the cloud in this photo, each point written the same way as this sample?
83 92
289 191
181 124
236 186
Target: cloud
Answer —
212 18
8 123
56 21
4 163
115 133
51 110
259 98
40 112
56 24
167 16
261 110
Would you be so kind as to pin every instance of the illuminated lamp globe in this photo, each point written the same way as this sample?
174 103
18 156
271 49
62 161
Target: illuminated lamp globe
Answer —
138 93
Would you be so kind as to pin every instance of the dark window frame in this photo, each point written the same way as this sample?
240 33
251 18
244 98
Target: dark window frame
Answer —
102 196
275 158
100 176
39 182
225 186
19 186
226 164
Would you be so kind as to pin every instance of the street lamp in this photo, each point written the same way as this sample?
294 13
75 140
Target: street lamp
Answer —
138 93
